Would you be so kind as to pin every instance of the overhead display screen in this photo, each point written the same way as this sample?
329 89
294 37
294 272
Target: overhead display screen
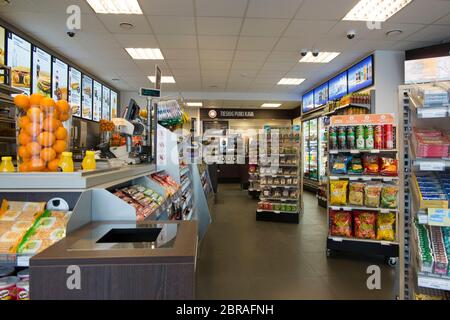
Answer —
337 87
308 101
59 80
97 101
42 68
19 59
360 76
86 102
106 105
113 104
321 95
75 91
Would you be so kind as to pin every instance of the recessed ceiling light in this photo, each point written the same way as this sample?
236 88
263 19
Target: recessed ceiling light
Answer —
270 105
194 104
145 53
370 10
167 79
115 6
322 57
126 25
290 81
394 33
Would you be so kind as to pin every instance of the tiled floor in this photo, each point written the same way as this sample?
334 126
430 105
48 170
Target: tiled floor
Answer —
241 258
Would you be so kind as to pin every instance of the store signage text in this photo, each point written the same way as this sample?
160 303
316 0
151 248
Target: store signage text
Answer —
74 280
230 114
73 22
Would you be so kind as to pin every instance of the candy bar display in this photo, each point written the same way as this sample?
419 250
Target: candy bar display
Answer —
282 207
433 192
166 181
439 252
425 253
430 143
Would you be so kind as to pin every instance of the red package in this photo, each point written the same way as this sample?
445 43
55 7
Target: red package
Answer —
364 224
429 143
341 223
370 164
388 166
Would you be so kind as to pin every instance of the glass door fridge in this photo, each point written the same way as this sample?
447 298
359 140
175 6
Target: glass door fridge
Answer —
306 149
323 142
313 150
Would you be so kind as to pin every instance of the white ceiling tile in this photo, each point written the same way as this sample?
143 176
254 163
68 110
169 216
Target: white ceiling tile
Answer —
251 55
216 54
264 27
183 8
214 78
180 54
431 33
217 42
370 45
280 66
283 56
294 44
270 80
172 25
220 8
148 66
242 74
409 45
247 65
180 72
46 6
273 74
273 9
256 43
183 64
112 23
445 20
218 26
260 86
177 42
104 41
215 64
303 28
136 40
324 9
423 11
238 80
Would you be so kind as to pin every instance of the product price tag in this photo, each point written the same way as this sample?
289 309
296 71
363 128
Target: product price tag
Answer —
353 178
423 218
354 151
367 178
384 210
375 151
387 179
439 217
334 178
432 165
334 151
23 261
433 113
337 239
385 243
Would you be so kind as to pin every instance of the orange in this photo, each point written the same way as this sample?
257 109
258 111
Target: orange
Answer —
64 116
60 146
47 104
33 129
63 106
23 121
36 164
35 114
23 152
22 101
46 139
24 167
24 138
50 124
48 154
53 165
35 99
33 148
61 133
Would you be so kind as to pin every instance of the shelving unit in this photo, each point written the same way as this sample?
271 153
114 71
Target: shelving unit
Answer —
417 278
389 248
279 177
253 170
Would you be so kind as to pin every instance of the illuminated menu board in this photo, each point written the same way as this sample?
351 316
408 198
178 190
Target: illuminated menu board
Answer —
42 69
113 104
19 59
86 102
60 81
360 76
321 95
308 101
337 87
97 101
2 52
106 112
75 91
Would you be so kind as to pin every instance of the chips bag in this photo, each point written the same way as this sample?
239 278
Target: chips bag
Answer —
370 163
388 166
372 195
356 166
356 193
364 225
340 164
385 226
341 223
338 192
389 196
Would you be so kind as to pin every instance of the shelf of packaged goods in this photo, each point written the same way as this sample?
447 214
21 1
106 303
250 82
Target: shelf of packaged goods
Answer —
254 189
278 199
185 186
357 208
189 215
186 203
291 217
277 175
433 281
363 178
294 186
359 105
429 112
184 171
165 205
279 165
431 164
16 260
381 242
278 155
276 211
357 151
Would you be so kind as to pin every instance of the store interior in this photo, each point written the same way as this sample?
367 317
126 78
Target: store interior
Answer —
224 149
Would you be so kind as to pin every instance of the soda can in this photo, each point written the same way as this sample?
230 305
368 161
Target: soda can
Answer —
360 137
368 136
333 138
351 137
378 137
388 130
342 140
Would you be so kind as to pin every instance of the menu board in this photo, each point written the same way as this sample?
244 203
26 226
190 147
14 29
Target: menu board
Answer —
337 87
19 59
106 112
321 95
97 101
427 70
308 101
86 100
59 82
75 91
360 76
42 69
113 104
2 52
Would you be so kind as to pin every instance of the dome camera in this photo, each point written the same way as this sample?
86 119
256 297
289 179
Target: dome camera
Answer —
351 34
304 52
315 53
71 34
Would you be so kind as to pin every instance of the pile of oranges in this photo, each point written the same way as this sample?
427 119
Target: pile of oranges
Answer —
42 136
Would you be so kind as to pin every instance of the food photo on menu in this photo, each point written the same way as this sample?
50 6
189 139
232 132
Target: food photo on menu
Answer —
41 72
59 84
19 59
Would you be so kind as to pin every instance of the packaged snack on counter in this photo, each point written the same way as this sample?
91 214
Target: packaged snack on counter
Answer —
6 271
372 194
386 226
429 143
24 274
338 192
356 166
439 252
8 288
340 164
364 225
389 196
341 223
23 290
370 163
356 193
388 166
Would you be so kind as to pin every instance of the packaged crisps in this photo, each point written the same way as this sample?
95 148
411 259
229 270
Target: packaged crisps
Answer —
370 163
341 223
388 166
356 166
372 195
338 192
340 164
385 226
364 225
356 193
389 196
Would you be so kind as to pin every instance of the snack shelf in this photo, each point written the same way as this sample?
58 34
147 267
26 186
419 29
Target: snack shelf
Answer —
184 171
186 203
278 199
382 242
358 208
348 105
357 151
277 175
276 211
279 165
433 281
355 177
293 186
428 112
185 186
291 217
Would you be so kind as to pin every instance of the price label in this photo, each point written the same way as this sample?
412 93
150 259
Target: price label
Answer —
375 151
433 113
337 239
423 218
23 261
334 178
432 165
439 217
354 151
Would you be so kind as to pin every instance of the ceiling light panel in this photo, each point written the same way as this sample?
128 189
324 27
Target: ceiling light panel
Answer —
322 57
166 79
270 105
290 81
115 6
375 10
145 53
194 104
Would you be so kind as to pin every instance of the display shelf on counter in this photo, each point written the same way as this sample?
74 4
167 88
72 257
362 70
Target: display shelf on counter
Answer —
363 246
277 175
357 208
428 112
357 151
277 217
294 186
363 177
277 199
185 186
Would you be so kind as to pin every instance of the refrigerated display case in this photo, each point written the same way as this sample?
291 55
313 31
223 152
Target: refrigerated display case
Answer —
323 142
311 156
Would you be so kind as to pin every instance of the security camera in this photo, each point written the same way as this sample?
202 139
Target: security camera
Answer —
304 52
351 34
315 53
71 34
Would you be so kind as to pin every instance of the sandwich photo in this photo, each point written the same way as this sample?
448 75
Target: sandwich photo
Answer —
21 77
44 84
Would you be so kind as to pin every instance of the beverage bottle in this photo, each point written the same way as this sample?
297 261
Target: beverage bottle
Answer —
66 162
7 165
88 162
